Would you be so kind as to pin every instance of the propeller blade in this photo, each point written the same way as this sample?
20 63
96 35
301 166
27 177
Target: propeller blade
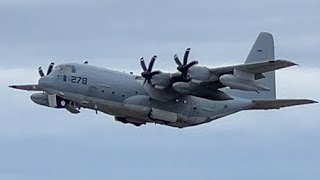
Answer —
148 73
186 56
153 59
178 62
143 64
40 72
191 64
154 73
50 68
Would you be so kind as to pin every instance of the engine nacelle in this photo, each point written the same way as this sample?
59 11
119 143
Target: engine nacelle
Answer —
234 82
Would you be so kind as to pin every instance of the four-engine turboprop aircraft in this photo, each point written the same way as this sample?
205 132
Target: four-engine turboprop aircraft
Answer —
194 95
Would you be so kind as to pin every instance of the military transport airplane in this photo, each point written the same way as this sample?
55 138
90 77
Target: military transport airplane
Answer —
192 96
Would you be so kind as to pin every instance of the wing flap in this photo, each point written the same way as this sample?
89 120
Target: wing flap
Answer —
280 103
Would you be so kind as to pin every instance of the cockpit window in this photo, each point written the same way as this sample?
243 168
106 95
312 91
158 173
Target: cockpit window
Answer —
65 69
73 69
57 67
70 68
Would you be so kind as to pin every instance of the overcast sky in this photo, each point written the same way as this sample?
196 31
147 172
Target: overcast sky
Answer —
39 143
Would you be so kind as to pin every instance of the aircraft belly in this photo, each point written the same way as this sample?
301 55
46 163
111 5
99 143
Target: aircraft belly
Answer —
167 116
149 114
172 113
177 114
137 111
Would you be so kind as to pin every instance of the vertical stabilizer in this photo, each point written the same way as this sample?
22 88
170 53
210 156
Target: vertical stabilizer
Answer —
262 50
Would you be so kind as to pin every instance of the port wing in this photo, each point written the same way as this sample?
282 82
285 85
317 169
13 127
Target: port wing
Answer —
280 103
31 87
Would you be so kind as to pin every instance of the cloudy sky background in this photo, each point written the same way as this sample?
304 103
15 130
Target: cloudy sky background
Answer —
42 143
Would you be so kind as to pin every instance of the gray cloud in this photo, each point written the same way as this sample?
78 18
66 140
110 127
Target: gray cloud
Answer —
126 30
42 143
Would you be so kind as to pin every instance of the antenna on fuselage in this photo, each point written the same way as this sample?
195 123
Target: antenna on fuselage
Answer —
96 108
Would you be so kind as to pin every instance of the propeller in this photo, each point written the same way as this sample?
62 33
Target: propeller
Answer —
184 66
41 73
147 72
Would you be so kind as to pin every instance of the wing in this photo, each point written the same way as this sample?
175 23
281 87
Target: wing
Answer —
33 87
205 82
254 68
280 103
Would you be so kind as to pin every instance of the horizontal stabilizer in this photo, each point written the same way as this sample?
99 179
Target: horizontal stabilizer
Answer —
280 103
26 87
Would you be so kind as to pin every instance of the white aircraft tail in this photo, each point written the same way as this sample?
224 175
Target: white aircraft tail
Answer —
262 50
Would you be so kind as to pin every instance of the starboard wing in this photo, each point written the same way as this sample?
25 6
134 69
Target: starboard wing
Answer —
254 68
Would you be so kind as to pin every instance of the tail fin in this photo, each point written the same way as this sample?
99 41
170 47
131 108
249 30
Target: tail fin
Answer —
262 50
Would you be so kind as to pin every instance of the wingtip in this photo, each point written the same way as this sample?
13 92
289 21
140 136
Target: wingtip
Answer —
31 87
313 102
310 101
290 63
293 63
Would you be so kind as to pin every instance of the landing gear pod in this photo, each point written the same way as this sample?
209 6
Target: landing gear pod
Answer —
47 100
41 99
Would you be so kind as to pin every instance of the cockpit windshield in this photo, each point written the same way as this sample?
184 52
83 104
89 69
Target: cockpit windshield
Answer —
64 69
59 67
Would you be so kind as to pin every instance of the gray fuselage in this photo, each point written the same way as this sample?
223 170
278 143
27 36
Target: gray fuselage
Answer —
127 98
